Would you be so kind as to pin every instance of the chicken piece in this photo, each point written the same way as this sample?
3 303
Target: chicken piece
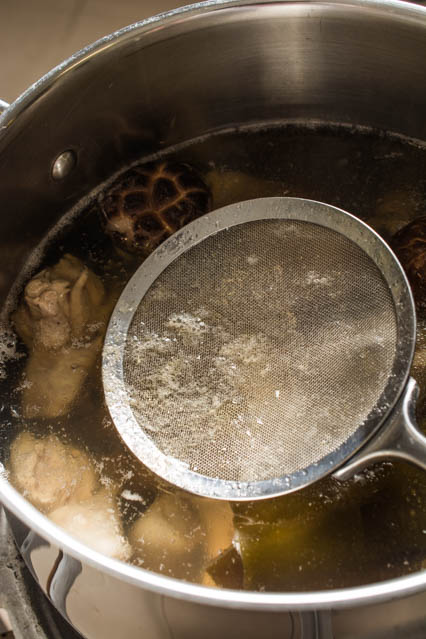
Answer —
393 211
50 474
207 580
229 187
217 521
62 320
168 537
59 303
53 380
96 523
181 535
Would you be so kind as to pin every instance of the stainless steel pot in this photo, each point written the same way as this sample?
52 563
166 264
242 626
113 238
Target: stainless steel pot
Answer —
160 82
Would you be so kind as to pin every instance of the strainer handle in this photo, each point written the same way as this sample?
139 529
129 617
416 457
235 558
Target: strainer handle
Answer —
399 438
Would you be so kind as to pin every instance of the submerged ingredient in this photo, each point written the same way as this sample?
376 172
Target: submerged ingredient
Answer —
229 187
95 522
181 535
168 537
62 320
409 244
50 474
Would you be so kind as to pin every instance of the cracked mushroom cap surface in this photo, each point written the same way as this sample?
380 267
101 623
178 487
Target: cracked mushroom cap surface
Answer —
150 202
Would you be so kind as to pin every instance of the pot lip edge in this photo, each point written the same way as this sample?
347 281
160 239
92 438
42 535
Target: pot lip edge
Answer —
357 596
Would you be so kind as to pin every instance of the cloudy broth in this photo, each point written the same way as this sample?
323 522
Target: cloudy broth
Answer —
328 535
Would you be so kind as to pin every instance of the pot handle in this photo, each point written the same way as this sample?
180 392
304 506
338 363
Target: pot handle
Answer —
399 438
3 106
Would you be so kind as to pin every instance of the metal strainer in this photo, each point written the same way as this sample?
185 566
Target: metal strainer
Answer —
260 347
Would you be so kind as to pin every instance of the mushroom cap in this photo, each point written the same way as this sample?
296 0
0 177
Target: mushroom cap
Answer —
409 244
150 202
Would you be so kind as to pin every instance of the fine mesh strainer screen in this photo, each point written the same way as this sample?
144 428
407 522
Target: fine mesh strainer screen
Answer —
260 350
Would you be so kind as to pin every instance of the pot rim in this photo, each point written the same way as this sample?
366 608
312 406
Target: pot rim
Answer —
35 520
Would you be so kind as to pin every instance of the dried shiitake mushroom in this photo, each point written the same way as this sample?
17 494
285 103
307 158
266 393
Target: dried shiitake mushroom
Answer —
150 202
409 244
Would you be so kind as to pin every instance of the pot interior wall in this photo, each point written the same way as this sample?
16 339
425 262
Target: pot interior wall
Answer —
164 83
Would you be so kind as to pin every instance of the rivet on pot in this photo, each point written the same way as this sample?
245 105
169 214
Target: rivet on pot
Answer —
63 165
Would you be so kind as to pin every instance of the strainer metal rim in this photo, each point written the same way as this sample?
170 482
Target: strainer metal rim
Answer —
296 209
